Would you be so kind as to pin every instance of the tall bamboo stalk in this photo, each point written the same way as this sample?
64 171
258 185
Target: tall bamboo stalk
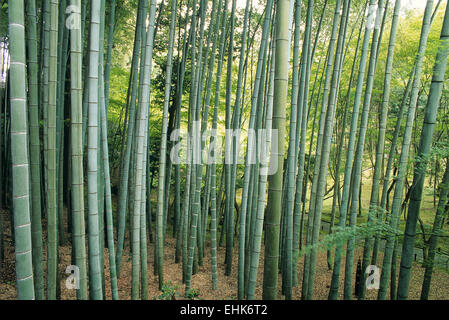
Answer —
275 180
95 286
163 156
436 230
433 104
19 154
357 169
400 179
52 242
140 139
35 157
380 143
78 218
125 170
333 292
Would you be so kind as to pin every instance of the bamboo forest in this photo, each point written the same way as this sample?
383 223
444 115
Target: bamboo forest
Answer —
224 150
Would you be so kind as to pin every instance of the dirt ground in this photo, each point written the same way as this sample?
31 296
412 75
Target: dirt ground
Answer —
227 285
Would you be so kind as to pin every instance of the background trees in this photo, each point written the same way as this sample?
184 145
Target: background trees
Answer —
96 110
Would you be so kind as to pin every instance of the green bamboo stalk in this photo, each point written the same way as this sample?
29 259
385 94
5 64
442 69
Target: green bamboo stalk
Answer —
228 168
19 154
275 180
78 219
180 214
63 44
357 169
163 150
301 131
340 144
436 230
309 227
197 135
35 158
108 199
290 267
136 244
235 141
337 193
143 227
236 126
286 217
266 156
327 136
211 37
125 172
107 70
44 96
52 252
432 107
306 174
246 198
400 179
140 139
186 201
326 101
381 142
333 292
192 202
101 175
95 285
262 107
202 96
387 177
213 200
213 144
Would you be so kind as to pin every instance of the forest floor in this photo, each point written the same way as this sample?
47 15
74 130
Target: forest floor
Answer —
201 281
